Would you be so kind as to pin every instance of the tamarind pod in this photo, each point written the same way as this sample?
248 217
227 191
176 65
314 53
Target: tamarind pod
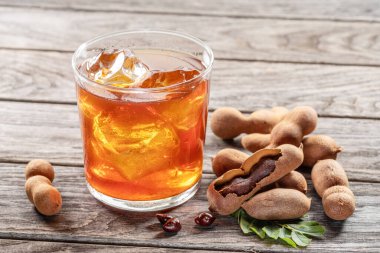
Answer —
228 122
327 173
226 193
227 159
293 180
47 199
31 184
39 167
338 202
255 141
305 117
319 147
300 121
223 122
277 204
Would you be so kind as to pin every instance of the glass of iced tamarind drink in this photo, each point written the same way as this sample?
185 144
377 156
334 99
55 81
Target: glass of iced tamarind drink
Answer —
142 99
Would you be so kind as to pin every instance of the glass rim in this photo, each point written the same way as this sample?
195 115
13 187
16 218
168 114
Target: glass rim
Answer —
184 35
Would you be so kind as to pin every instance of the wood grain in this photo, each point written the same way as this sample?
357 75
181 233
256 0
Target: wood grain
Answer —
244 39
51 131
366 10
83 219
343 91
26 246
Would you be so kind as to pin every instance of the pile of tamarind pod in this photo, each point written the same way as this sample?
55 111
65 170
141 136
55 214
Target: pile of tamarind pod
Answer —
239 187
39 175
271 129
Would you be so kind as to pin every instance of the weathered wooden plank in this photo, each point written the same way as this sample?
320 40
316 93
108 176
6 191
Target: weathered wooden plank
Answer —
82 219
245 39
51 131
333 90
25 246
367 10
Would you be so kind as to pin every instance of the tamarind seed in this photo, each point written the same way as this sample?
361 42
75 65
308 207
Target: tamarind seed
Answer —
204 219
172 225
163 217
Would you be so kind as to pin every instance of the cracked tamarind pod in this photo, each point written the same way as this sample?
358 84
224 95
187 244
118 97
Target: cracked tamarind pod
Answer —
278 204
228 159
226 193
297 123
228 122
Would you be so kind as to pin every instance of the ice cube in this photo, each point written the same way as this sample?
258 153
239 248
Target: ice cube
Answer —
136 143
133 67
162 79
116 67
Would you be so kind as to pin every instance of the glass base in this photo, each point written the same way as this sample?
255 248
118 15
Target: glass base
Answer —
145 206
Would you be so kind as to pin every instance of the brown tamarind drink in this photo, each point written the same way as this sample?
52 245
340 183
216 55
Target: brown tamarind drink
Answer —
142 99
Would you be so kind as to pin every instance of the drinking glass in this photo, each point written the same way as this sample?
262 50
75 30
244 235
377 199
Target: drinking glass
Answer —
142 99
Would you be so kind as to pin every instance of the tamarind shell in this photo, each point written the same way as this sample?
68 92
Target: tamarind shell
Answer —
278 204
293 180
319 147
227 159
290 158
327 173
338 202
255 141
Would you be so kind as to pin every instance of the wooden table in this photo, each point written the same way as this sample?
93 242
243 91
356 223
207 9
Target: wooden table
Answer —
321 53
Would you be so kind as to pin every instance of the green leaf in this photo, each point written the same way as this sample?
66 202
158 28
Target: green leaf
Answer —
244 226
245 221
257 230
292 232
289 241
285 236
272 231
300 239
283 233
315 230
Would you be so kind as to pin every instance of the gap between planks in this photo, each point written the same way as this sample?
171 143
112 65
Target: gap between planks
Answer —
191 14
369 65
210 110
83 241
304 171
